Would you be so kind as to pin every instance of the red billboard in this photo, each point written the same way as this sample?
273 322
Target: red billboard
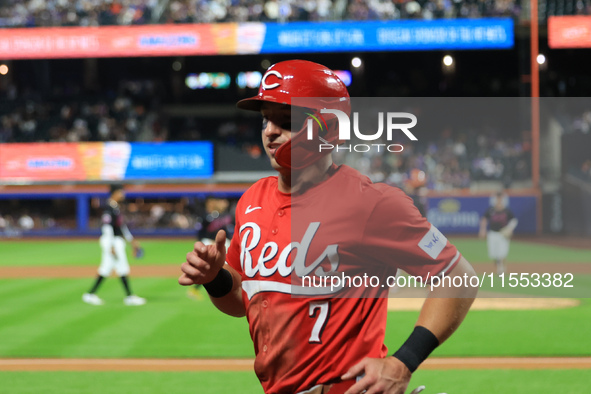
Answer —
569 31
55 161
118 41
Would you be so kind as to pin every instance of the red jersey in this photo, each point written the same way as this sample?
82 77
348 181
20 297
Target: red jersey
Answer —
345 224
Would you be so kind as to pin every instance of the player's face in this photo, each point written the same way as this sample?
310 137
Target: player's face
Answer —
119 195
277 128
499 203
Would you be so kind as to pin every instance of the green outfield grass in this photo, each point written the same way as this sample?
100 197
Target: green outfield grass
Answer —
130 382
46 318
508 333
87 252
451 381
173 251
502 381
475 251
553 285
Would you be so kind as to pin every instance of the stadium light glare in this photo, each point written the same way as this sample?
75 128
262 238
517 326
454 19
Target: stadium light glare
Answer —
176 66
448 60
248 79
345 76
208 81
265 64
541 59
3 69
356 62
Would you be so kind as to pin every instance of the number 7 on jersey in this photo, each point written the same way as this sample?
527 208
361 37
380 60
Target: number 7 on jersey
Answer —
321 311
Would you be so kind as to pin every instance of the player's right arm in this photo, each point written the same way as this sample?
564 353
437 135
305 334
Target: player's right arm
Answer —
206 265
484 224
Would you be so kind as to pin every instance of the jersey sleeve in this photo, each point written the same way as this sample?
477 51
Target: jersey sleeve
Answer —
487 214
397 234
126 233
107 217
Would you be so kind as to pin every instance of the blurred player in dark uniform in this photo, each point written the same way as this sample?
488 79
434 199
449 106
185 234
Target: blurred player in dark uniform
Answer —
501 223
218 216
114 234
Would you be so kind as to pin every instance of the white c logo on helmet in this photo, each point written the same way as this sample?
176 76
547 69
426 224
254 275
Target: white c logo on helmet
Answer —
273 85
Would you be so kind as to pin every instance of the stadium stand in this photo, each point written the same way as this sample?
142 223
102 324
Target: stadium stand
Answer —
43 13
431 9
453 160
547 8
38 13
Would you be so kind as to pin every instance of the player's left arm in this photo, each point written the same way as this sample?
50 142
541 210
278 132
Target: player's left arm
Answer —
446 307
483 226
507 231
441 314
128 237
420 249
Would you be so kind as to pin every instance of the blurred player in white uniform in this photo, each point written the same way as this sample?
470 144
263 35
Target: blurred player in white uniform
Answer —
501 223
113 257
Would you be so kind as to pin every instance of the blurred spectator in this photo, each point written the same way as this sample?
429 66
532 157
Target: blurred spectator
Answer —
26 222
581 123
7 227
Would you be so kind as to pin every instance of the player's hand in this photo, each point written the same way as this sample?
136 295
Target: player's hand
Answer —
113 251
506 232
204 262
482 234
138 252
382 376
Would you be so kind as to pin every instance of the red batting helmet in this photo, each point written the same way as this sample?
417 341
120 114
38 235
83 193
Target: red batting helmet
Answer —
316 87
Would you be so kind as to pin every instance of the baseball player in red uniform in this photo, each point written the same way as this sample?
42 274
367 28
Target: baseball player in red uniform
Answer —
318 217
